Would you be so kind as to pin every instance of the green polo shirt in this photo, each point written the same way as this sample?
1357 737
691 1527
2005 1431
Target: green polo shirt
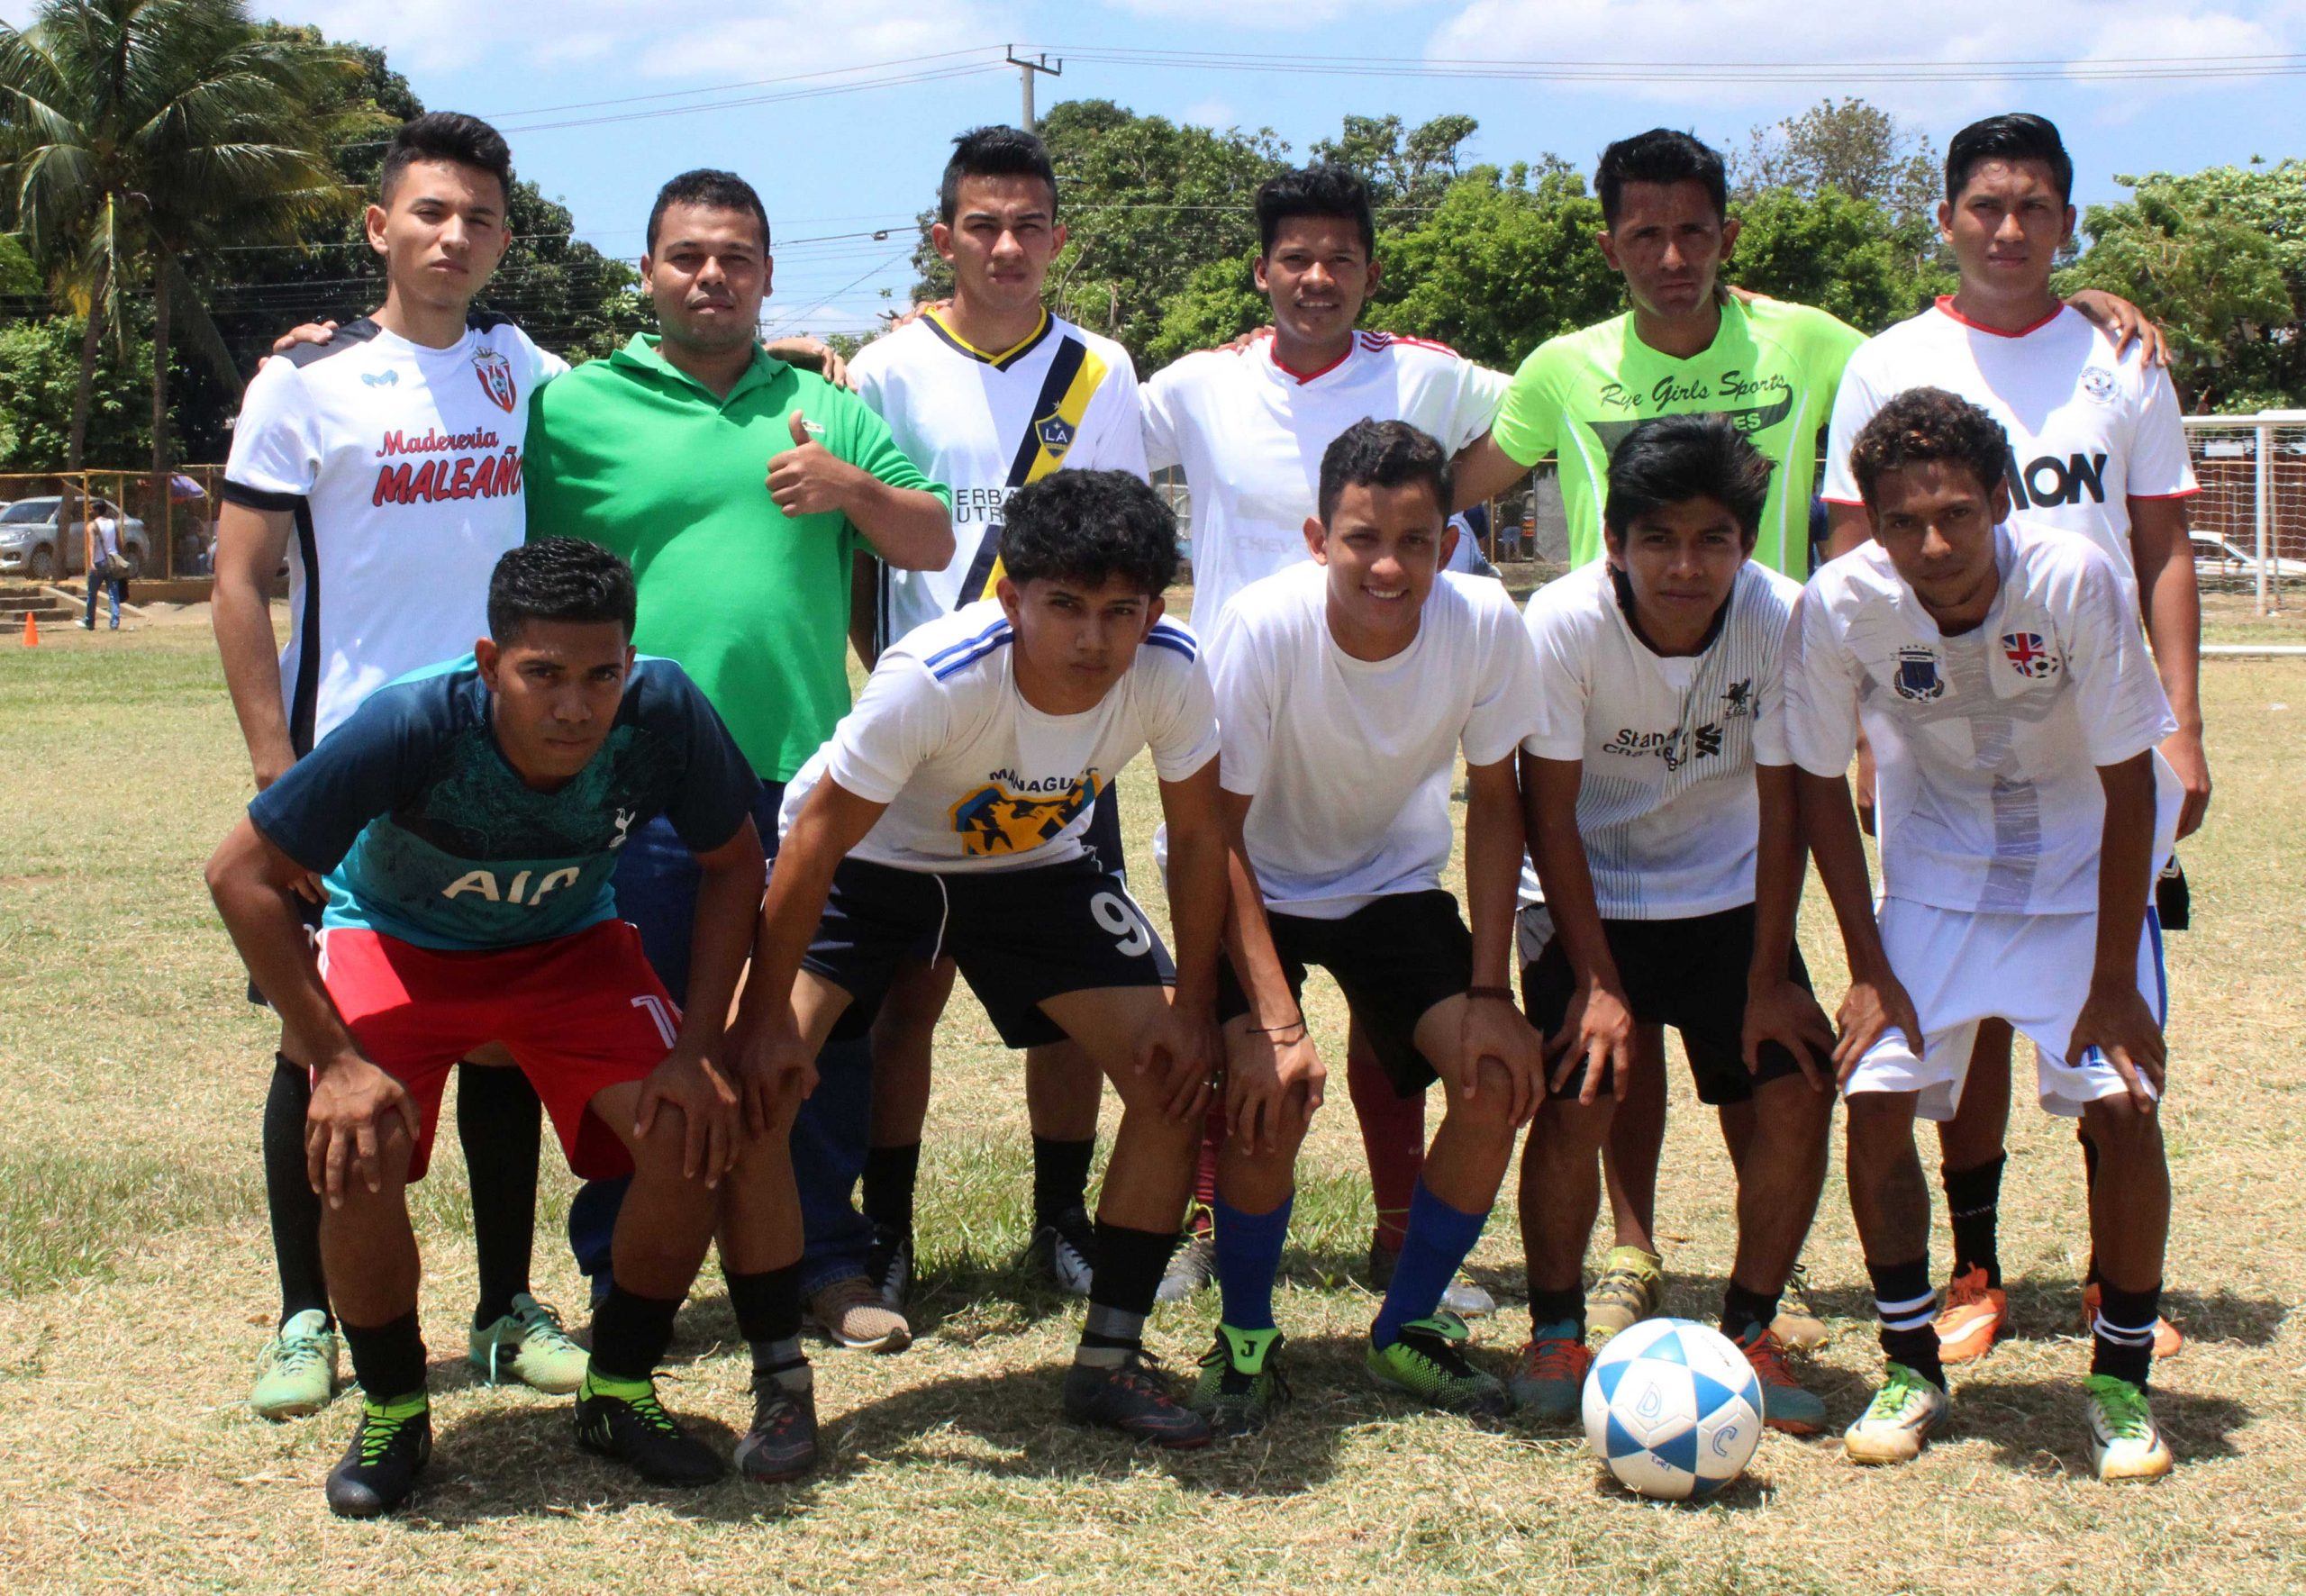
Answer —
644 459
1772 369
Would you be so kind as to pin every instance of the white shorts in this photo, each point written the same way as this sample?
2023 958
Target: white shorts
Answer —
1960 967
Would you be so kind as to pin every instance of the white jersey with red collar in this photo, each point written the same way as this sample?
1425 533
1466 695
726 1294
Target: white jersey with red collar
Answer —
1250 434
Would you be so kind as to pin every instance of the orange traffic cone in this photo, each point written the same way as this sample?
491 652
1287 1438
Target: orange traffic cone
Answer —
31 629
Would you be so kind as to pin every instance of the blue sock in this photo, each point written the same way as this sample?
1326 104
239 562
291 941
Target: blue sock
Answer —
1249 1256
1435 1246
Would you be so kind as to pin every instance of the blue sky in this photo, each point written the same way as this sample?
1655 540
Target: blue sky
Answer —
838 166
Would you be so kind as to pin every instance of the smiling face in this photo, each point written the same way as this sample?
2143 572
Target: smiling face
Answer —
442 231
1385 549
1074 639
556 687
1680 561
1318 274
2006 227
1936 525
707 272
1669 242
1000 242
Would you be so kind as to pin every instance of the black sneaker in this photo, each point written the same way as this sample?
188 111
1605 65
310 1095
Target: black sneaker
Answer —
888 1264
621 1419
1134 1398
1064 1248
389 1449
782 1444
1191 1267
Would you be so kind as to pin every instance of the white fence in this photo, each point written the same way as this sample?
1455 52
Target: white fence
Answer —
2253 502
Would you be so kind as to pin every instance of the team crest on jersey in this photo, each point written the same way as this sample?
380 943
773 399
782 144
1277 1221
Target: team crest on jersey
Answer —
495 375
381 379
993 821
2099 384
1917 676
2028 656
1738 700
1056 435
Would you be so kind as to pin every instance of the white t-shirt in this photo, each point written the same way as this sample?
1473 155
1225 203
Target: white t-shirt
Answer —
1986 746
1251 436
1665 803
985 424
2088 431
403 467
975 777
1349 761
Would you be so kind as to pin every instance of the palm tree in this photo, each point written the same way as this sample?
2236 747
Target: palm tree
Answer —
135 131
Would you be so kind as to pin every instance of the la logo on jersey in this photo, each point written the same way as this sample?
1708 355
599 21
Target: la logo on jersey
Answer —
1917 676
2028 656
495 375
1055 433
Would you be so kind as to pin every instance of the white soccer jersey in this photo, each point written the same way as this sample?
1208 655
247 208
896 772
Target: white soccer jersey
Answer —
1666 805
403 467
985 425
1349 761
1986 746
975 777
1250 435
2088 431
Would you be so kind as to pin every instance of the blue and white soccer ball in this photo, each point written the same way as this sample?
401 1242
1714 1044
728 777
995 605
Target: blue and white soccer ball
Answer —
1672 1408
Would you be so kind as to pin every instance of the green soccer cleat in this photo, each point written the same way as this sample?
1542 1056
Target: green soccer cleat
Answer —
390 1447
528 1345
2125 1443
1429 1362
1897 1423
621 1419
1240 1382
296 1375
1631 1288
1549 1377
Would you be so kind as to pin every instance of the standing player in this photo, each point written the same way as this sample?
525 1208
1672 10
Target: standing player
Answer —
986 394
2022 811
1659 688
468 817
1369 660
2095 448
386 466
1250 426
952 807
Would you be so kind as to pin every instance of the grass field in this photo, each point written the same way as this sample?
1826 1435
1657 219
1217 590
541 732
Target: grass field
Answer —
135 1289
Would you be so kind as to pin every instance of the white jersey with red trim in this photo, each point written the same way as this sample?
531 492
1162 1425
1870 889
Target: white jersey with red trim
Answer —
1250 434
2088 431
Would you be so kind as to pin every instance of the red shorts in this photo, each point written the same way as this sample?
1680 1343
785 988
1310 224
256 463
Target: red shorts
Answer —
578 1013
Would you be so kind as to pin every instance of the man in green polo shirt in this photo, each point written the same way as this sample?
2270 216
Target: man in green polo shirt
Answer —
737 487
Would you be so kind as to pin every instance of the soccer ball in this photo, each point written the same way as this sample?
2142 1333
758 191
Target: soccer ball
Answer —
1673 1408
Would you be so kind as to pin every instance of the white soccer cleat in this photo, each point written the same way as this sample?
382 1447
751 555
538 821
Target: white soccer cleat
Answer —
1897 1423
2125 1443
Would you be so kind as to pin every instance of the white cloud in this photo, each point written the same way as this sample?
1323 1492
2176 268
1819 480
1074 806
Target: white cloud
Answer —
1210 114
1256 14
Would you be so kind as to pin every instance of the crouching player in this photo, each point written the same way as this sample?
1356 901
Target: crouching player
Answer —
2023 814
468 817
1659 692
949 818
1345 688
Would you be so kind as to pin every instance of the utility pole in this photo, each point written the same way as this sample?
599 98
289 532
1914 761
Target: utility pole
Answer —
1025 70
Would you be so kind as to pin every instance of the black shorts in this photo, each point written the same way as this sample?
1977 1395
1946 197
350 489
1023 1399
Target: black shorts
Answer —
1393 957
1019 935
1688 974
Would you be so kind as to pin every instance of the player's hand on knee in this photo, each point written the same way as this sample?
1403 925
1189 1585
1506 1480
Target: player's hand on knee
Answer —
354 1108
2116 1021
1274 1082
1872 1008
1597 1035
1492 1030
772 1069
1787 1013
710 1115
1179 1051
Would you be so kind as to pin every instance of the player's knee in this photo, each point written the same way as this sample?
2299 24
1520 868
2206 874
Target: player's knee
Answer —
2121 1130
1488 1113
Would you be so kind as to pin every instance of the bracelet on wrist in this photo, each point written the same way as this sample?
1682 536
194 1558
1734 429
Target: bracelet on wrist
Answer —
1275 1030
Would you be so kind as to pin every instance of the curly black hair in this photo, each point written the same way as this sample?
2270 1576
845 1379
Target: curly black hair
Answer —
1930 424
1090 526
559 579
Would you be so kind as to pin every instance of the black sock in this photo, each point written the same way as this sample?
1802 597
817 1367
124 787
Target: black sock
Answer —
1908 1305
1548 1308
387 1360
1973 1197
630 1333
2121 1340
2088 1184
1741 1309
288 1192
1128 1273
499 1124
889 1173
768 1305
1061 1176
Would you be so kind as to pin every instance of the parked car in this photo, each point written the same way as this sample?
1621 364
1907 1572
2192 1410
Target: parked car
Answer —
2223 557
29 544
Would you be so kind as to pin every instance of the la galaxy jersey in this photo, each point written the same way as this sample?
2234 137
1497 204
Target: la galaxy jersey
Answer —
426 833
403 465
987 423
975 777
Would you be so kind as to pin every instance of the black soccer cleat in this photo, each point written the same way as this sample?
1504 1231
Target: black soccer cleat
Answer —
389 1449
782 1444
621 1419
1133 1397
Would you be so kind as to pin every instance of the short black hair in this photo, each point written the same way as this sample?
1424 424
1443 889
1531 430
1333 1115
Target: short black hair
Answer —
446 136
1671 459
1661 155
2018 135
559 579
714 189
993 152
1090 526
1381 454
1928 424
1325 189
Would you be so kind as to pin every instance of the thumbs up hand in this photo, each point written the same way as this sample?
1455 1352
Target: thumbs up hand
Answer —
808 478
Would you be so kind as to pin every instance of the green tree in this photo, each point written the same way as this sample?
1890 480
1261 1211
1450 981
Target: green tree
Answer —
1408 169
40 377
1851 147
1840 254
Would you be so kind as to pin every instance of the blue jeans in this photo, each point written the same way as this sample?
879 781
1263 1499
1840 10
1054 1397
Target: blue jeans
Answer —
114 587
